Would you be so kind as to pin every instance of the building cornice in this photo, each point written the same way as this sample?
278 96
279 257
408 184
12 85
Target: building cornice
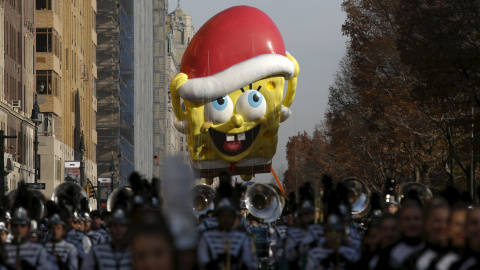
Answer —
6 108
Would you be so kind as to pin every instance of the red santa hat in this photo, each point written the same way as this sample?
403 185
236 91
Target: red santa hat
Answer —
234 48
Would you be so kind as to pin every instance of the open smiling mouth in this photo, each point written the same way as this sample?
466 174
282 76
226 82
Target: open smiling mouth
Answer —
234 144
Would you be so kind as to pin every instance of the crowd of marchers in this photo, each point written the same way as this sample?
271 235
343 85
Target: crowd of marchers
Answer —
144 230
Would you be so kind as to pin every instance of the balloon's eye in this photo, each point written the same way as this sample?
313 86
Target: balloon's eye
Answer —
251 105
255 99
219 110
220 103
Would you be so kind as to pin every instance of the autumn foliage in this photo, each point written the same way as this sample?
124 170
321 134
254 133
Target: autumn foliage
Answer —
404 103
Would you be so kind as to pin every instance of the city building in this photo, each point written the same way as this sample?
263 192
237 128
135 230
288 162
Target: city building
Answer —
125 88
17 80
181 31
66 75
134 108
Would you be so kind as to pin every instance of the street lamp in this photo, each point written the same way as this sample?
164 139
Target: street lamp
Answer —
112 172
82 163
36 118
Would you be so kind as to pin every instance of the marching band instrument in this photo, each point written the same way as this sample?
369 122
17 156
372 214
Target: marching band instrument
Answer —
113 196
423 192
358 196
37 194
264 201
202 199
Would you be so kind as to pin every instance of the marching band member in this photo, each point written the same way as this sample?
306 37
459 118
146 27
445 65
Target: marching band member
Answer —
21 253
63 254
223 246
371 237
332 253
436 215
458 219
471 258
282 228
389 234
98 225
116 254
295 234
77 237
314 232
410 218
152 244
95 237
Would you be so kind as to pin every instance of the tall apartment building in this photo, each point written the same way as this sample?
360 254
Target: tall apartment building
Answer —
125 89
17 76
181 31
160 78
137 58
66 72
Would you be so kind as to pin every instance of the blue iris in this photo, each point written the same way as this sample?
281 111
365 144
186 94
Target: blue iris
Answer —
220 103
255 99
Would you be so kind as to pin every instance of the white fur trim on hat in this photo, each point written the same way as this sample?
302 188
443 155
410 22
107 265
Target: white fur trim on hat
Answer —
181 126
237 76
285 113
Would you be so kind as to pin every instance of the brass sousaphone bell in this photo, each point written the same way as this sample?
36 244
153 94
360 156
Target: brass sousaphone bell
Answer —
358 196
40 200
264 201
62 195
112 199
423 192
202 199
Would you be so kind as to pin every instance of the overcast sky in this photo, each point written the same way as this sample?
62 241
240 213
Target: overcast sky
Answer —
312 33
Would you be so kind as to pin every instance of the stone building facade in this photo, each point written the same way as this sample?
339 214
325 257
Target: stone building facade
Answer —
181 31
66 75
17 28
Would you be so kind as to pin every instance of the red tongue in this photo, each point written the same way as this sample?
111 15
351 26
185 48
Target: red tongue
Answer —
232 147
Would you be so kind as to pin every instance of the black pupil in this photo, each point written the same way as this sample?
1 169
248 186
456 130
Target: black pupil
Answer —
256 98
221 101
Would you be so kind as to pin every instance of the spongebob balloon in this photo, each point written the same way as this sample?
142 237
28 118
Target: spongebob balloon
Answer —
229 95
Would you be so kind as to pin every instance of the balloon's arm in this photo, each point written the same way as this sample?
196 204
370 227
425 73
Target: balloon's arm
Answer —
292 83
291 90
177 81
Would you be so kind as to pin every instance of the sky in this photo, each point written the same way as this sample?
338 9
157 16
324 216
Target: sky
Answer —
311 30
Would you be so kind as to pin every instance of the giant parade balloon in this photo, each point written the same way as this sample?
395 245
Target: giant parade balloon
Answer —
228 97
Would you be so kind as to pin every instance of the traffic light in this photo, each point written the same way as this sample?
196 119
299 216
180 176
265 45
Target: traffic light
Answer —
89 190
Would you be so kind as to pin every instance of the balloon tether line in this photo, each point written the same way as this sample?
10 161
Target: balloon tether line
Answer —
278 182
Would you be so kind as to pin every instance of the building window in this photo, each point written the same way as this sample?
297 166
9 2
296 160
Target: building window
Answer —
44 4
181 148
58 167
94 82
48 40
94 18
181 139
44 40
47 82
46 128
94 53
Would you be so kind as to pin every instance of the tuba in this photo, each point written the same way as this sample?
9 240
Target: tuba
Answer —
264 201
202 199
40 200
112 199
358 196
68 193
423 192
